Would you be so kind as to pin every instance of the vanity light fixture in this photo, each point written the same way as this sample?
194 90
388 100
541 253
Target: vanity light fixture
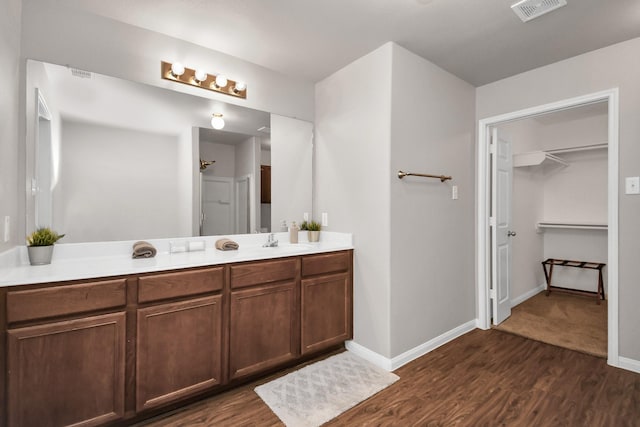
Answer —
177 69
221 81
217 122
200 78
239 87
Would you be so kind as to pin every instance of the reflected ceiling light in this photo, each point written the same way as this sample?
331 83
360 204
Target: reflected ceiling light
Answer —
221 81
177 72
239 87
200 75
217 122
177 69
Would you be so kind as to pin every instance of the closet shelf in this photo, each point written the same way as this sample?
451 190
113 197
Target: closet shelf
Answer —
534 158
542 225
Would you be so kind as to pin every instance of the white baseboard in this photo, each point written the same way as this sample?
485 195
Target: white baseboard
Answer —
414 353
629 364
522 298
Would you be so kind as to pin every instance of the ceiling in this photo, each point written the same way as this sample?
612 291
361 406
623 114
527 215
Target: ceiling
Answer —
480 41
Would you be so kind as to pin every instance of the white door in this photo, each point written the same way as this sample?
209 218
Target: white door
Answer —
217 206
501 233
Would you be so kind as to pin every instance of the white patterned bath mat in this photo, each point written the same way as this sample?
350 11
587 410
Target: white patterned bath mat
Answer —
319 392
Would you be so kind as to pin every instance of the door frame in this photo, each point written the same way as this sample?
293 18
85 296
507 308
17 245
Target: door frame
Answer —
483 204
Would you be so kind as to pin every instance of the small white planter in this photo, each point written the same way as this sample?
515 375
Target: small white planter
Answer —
40 255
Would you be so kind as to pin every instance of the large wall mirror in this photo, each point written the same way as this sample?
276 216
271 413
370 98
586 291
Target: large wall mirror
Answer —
110 159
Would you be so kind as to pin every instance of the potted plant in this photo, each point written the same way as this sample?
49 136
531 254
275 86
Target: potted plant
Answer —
40 245
313 231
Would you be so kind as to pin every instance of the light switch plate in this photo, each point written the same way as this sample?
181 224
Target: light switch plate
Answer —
454 192
632 185
325 219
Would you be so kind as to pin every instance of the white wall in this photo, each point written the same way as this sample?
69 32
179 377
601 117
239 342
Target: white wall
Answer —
352 180
223 154
291 170
9 114
614 66
248 163
104 185
432 255
117 49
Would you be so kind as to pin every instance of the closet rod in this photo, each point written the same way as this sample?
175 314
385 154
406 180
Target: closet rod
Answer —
579 148
442 178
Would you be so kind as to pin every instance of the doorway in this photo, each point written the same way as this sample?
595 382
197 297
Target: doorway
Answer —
485 230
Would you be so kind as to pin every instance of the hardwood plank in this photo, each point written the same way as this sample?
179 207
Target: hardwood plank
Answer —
482 378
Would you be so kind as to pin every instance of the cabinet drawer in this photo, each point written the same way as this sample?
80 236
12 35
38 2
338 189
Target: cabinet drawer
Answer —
255 273
326 263
180 284
65 300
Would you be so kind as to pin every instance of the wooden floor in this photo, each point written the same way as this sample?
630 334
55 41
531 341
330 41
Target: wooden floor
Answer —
484 378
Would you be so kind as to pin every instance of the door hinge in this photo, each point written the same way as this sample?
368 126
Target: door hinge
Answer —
492 148
492 221
492 293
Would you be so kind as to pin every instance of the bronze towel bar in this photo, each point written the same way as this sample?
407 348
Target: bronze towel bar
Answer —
442 178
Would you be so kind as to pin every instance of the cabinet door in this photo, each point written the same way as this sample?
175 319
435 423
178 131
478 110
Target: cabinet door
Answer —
264 328
326 311
69 372
179 349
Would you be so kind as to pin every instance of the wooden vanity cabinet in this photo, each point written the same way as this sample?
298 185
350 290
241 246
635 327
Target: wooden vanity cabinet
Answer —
179 349
63 369
326 301
264 319
112 351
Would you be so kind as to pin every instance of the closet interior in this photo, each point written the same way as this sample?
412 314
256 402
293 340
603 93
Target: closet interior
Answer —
559 200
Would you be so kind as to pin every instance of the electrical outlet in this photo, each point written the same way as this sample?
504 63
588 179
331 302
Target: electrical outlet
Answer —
7 228
305 216
632 185
454 192
325 219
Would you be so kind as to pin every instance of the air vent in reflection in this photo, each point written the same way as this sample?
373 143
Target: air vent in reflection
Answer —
530 9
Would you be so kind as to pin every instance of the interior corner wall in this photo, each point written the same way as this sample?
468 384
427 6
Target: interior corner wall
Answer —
352 175
616 66
10 20
432 252
291 170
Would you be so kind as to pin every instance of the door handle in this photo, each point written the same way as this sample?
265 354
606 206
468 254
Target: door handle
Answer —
511 233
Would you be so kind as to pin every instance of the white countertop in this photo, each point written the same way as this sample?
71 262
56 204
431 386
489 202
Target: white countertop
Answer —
75 261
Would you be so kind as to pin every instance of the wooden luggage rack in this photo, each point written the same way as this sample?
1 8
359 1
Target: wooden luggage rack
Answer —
551 262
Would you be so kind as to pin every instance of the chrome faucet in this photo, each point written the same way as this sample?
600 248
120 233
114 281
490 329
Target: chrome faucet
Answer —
271 241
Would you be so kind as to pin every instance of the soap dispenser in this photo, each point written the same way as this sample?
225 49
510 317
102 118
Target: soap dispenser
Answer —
293 232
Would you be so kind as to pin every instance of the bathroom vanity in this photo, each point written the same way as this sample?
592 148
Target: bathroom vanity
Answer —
112 349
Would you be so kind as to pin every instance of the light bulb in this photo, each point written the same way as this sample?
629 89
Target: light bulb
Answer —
240 86
217 122
221 80
177 69
200 76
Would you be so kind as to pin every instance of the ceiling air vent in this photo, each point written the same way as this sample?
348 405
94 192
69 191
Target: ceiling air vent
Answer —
76 72
530 9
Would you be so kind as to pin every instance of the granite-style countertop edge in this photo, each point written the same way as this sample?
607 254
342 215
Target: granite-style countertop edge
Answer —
68 267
